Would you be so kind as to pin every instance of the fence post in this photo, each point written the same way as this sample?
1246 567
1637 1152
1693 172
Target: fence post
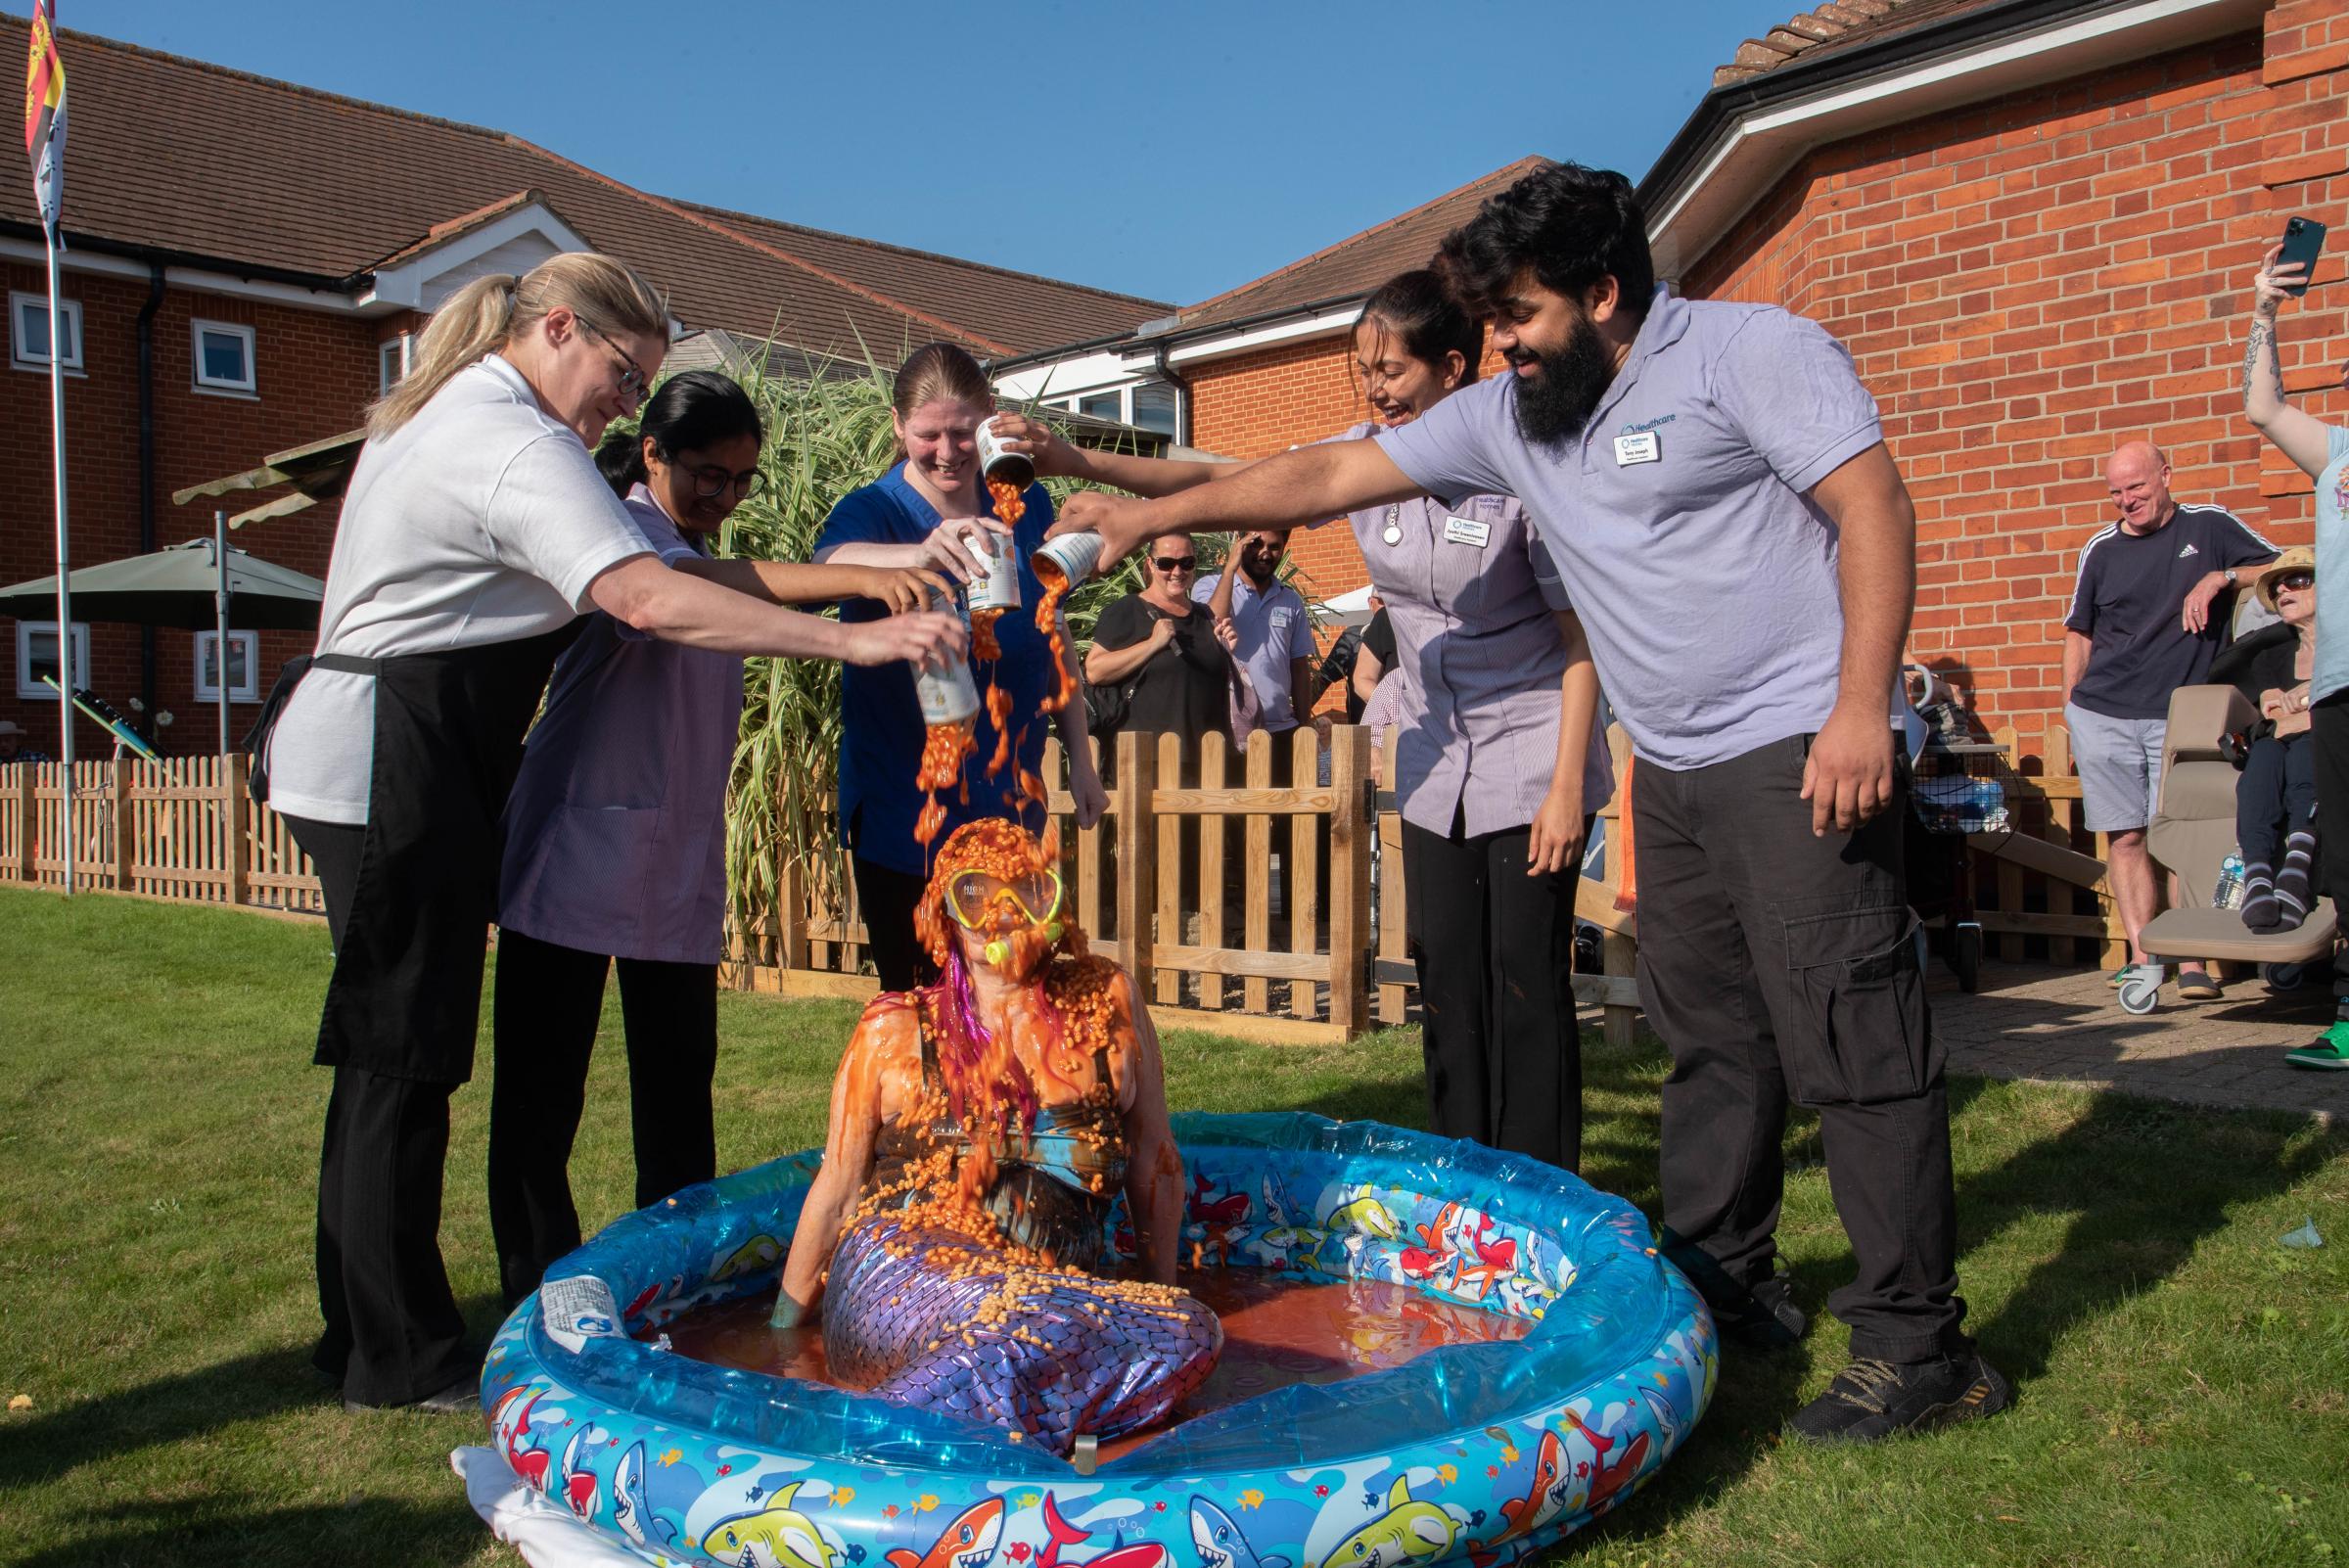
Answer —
1350 839
236 810
1168 879
1137 848
791 916
126 834
28 823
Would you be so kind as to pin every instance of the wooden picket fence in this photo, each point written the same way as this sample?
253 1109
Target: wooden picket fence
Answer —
1274 910
182 829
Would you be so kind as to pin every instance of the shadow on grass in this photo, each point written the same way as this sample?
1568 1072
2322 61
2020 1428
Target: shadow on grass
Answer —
158 1413
2144 1182
228 1532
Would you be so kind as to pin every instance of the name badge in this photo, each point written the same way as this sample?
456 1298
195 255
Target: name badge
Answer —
1466 530
1645 447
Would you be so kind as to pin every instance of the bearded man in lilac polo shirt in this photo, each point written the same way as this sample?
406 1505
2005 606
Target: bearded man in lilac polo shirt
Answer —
1712 480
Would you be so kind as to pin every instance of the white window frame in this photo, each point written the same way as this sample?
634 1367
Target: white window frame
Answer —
69 310
29 687
248 690
251 385
1124 392
394 357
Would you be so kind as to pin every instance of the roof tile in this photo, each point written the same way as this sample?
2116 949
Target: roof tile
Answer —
219 165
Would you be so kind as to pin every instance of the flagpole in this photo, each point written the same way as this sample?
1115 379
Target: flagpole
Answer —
64 591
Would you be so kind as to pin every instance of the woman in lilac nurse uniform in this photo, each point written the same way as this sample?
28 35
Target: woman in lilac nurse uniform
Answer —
616 843
1497 669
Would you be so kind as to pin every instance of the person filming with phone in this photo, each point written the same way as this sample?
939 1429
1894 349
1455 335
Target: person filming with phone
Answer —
2322 450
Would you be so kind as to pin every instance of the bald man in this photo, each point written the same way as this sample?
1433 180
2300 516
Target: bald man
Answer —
2142 626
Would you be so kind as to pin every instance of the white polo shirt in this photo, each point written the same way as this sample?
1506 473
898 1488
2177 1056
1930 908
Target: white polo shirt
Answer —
480 521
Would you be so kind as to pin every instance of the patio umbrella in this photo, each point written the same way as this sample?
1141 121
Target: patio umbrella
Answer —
202 585
178 587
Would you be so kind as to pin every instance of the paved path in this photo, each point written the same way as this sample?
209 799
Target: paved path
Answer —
2067 1026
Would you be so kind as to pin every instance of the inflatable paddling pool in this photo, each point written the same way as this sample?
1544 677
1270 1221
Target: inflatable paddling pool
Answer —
1474 1451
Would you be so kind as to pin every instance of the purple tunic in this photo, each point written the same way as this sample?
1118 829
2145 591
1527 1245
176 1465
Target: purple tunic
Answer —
615 832
1470 591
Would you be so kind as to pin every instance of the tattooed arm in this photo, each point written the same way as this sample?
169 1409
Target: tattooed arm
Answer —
2294 434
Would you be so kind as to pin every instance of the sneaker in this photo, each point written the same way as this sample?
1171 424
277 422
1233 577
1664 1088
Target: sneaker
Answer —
1870 1400
2329 1051
1762 1316
2195 984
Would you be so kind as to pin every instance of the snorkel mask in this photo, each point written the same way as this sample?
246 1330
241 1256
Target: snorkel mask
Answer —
991 879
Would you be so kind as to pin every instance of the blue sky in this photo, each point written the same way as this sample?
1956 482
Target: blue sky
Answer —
1172 150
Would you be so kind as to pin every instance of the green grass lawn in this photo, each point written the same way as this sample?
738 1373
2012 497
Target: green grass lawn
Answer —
2180 1376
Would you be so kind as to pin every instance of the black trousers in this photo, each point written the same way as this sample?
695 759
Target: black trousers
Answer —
888 899
1495 949
545 1011
2276 796
1779 966
2328 737
393 1333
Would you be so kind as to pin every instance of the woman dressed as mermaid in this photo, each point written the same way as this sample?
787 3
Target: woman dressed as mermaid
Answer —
957 1240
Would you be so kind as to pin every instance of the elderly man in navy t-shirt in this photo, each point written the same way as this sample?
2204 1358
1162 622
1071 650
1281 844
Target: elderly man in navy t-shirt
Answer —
2140 627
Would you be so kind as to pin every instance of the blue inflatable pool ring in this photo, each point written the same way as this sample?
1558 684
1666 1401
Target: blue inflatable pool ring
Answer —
1476 1453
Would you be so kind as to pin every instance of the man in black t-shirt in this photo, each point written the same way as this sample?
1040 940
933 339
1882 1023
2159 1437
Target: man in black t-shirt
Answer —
2141 624
1160 648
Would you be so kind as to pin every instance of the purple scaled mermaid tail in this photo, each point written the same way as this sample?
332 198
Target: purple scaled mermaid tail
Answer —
1075 1355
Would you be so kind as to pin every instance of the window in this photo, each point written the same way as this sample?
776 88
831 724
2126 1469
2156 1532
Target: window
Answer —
1154 408
244 666
393 357
28 332
36 655
1107 405
224 357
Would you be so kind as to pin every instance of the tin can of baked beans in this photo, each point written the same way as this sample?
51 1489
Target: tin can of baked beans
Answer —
998 585
999 465
1070 558
948 696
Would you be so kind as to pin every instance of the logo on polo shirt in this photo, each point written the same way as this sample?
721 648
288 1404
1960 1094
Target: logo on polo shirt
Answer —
2188 550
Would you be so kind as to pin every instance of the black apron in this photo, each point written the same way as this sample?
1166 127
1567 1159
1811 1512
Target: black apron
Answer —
405 998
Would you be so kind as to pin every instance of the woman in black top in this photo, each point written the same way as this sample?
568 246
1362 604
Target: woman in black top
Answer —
1168 655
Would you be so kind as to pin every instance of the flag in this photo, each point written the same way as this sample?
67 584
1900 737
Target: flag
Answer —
45 118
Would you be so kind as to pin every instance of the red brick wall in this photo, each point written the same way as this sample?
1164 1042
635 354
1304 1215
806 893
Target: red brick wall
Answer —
316 374
2030 281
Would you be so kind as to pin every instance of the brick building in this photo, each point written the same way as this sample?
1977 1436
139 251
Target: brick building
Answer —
2031 221
247 262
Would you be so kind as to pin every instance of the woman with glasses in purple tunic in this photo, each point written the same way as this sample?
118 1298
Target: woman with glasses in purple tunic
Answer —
1500 761
616 840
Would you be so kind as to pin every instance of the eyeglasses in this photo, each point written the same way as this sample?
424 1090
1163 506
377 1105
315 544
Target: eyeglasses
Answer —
1176 562
712 482
972 897
2296 579
634 383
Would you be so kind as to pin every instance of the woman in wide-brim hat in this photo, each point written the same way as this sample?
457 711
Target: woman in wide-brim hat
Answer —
2275 800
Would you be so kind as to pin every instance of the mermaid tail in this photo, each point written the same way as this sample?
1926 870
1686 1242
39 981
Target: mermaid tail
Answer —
927 1317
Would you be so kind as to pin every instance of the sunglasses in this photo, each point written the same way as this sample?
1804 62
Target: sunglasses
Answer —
2296 579
712 482
1176 562
632 381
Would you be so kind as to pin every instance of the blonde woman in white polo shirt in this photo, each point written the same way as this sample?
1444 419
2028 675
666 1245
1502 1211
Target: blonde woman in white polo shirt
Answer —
475 530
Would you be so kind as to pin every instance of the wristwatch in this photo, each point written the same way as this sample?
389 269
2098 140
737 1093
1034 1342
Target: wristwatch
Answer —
2231 576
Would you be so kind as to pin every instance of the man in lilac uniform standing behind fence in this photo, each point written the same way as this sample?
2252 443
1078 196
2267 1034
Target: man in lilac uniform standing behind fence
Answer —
1713 483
